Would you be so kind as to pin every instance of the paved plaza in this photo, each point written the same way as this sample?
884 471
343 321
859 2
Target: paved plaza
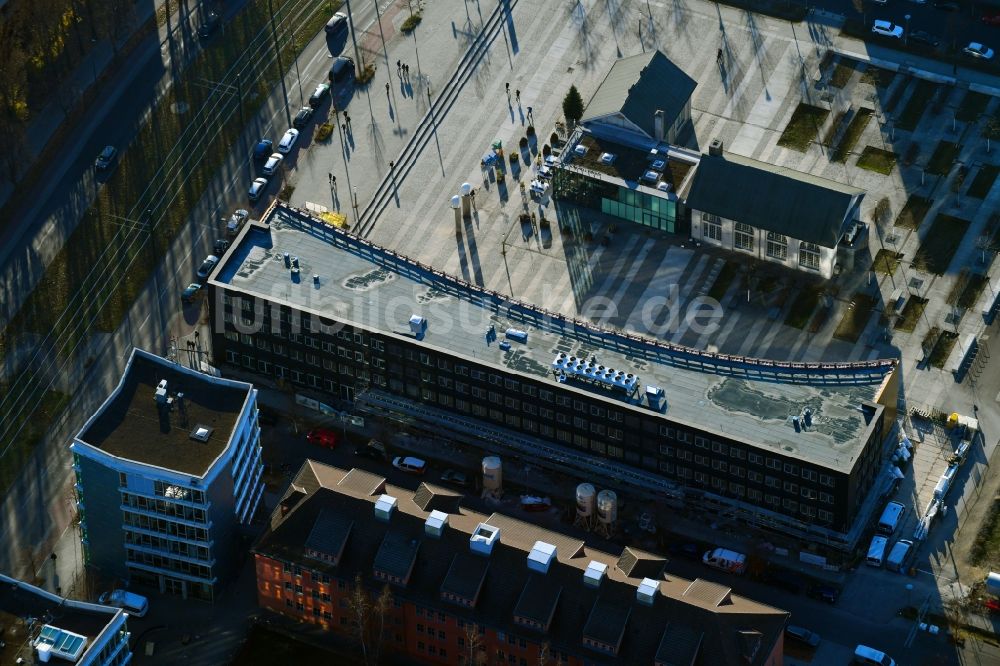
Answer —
746 100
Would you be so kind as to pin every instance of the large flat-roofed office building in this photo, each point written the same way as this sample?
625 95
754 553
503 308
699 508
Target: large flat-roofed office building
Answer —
38 625
168 471
795 446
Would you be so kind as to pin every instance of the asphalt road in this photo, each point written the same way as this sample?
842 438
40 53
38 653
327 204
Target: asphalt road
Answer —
959 27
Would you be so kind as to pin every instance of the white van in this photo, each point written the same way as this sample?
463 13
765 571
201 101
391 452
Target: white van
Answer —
891 516
871 657
898 555
726 560
134 604
876 551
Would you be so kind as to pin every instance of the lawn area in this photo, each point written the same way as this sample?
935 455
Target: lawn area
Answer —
914 212
973 104
942 349
723 280
802 127
803 307
911 313
878 77
916 105
858 313
877 160
33 425
943 158
852 134
966 290
886 262
983 181
986 548
110 256
842 74
940 243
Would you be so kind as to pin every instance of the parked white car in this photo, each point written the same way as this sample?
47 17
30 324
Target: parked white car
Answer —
287 141
887 29
257 189
272 164
977 50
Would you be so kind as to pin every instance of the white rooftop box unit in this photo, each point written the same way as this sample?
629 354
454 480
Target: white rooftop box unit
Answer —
435 523
595 573
418 325
483 538
580 149
646 592
541 556
384 506
607 158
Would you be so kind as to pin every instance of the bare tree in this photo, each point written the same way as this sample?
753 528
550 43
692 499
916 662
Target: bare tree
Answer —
475 655
545 654
369 619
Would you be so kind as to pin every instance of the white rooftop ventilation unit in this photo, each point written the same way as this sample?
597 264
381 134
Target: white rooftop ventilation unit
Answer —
607 158
595 573
201 433
418 326
580 149
435 523
160 396
646 592
384 506
541 556
483 539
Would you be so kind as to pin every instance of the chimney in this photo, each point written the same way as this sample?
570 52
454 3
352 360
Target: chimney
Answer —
595 573
541 556
658 129
715 149
483 539
646 592
435 524
384 507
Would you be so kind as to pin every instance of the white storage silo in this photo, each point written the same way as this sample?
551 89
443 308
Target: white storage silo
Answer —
586 496
492 475
607 507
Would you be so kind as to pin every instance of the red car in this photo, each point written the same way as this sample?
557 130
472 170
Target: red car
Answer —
323 437
992 18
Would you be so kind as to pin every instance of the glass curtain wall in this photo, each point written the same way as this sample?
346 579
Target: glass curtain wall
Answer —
616 200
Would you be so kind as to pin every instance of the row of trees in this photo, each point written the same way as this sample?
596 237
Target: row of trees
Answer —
41 43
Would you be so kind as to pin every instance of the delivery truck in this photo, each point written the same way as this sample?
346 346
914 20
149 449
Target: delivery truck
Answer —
726 560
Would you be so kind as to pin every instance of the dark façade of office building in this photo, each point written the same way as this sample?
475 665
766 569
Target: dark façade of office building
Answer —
792 447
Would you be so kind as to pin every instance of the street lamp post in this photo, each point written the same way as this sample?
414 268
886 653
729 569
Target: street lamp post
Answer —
357 51
906 35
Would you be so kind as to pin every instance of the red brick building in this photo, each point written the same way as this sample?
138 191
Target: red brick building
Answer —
464 583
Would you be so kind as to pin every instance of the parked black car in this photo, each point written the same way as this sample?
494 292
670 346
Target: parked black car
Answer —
302 117
823 592
785 580
924 38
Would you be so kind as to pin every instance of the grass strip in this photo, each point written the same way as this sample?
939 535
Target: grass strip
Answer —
877 160
723 280
986 548
911 313
917 104
803 307
943 158
853 323
886 262
942 349
939 245
851 136
189 148
983 182
802 127
972 106
914 211
842 74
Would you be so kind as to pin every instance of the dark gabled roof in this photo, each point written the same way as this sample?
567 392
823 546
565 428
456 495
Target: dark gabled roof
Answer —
637 87
465 576
772 198
640 564
396 555
679 646
503 582
538 600
606 623
329 533
434 498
